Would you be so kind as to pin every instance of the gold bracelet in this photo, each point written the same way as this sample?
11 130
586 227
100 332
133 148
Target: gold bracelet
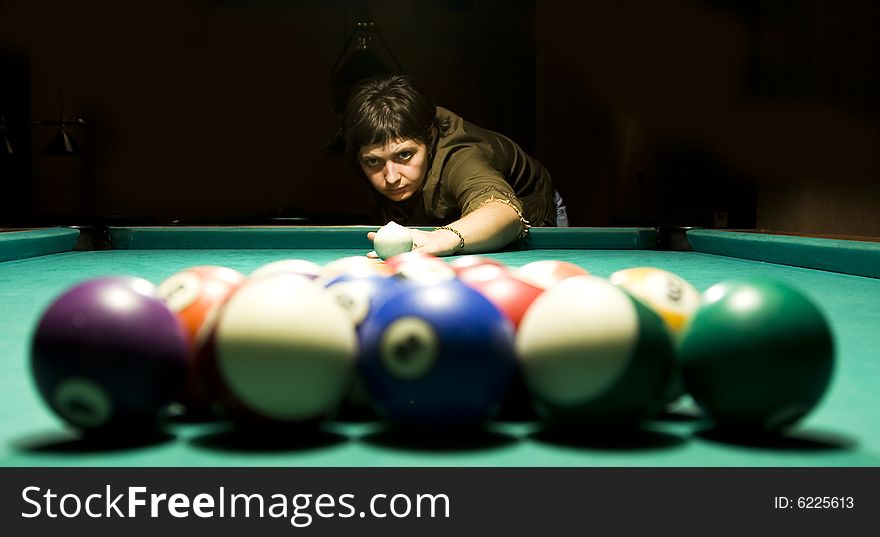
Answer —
460 238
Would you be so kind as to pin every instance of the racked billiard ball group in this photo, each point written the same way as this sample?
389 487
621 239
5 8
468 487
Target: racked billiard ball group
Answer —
430 344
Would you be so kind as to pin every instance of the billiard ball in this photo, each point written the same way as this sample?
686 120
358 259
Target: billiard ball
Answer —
358 295
510 293
394 262
512 296
593 356
305 268
757 356
281 352
671 296
356 264
548 272
107 354
193 295
421 269
392 239
437 357
467 262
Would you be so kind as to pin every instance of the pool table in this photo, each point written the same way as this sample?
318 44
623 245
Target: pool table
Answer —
840 275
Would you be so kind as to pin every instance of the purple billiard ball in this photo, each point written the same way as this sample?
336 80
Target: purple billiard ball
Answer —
108 354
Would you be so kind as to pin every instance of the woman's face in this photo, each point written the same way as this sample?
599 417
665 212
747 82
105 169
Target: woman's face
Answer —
397 169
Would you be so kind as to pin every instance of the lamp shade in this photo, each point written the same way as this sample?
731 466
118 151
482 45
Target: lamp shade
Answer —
61 144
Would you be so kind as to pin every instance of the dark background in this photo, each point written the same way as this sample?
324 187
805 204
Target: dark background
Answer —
756 113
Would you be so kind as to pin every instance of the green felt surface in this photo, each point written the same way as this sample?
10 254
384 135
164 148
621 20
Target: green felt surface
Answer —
843 431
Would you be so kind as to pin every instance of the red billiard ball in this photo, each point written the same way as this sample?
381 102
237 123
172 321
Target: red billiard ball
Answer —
467 262
408 257
419 268
547 273
512 296
510 293
194 294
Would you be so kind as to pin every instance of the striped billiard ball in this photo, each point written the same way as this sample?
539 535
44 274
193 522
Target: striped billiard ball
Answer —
281 352
593 355
194 294
672 297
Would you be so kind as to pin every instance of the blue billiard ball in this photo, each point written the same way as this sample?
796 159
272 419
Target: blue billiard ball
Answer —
360 293
437 356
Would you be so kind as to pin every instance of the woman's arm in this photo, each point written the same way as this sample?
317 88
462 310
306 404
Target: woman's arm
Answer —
490 227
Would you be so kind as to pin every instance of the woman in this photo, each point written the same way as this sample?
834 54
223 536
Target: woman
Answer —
429 167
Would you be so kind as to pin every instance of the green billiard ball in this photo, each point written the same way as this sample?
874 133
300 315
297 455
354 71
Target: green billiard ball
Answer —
757 356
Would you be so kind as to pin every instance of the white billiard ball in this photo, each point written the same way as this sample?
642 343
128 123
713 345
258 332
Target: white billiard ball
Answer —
392 239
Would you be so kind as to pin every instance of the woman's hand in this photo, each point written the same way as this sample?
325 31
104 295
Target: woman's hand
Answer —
439 242
491 226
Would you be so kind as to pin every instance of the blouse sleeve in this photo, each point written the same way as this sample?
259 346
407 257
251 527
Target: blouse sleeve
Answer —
473 182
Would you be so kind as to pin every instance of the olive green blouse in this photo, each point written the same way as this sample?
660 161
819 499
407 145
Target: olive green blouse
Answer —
472 166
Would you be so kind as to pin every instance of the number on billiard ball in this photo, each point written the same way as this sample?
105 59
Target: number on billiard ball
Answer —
672 297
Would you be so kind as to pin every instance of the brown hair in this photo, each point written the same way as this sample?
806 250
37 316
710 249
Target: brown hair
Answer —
386 108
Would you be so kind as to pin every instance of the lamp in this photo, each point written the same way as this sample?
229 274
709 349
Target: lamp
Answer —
5 144
62 143
364 55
